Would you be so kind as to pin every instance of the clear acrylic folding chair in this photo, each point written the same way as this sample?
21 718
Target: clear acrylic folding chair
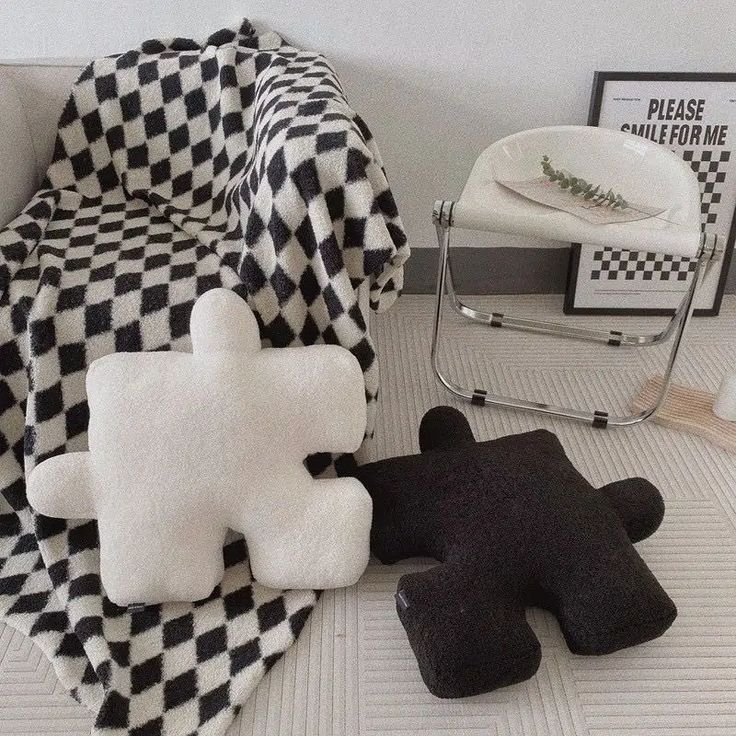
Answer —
642 171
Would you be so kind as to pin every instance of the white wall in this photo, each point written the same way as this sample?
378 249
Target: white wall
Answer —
436 81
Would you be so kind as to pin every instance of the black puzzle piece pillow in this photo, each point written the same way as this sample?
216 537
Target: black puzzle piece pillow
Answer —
513 525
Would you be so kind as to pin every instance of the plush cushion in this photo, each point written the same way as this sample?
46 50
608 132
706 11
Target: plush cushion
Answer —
184 446
514 525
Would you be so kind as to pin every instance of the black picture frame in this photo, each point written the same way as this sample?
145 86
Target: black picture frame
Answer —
600 79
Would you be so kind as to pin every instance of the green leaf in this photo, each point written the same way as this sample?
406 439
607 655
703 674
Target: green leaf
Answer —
580 187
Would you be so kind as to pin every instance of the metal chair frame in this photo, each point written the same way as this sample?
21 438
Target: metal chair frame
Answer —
709 253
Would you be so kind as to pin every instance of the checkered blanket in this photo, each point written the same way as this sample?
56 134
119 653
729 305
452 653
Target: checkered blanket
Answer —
178 167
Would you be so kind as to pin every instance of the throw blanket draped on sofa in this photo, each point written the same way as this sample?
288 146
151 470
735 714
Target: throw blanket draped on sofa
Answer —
178 167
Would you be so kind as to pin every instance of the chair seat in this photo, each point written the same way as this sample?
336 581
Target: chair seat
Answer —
640 170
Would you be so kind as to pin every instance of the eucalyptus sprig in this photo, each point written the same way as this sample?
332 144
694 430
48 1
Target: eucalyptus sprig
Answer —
580 187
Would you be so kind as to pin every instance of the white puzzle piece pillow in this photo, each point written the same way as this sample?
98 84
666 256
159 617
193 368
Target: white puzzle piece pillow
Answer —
184 446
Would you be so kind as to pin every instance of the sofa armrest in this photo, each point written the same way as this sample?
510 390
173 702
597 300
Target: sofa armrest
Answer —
18 176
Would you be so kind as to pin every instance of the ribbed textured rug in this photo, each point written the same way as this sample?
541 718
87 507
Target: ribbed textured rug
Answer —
352 672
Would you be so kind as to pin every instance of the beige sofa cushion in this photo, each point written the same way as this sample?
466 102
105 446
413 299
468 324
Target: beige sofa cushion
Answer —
43 87
18 173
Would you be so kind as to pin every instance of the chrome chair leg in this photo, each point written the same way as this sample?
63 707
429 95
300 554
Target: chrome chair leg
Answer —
598 418
610 337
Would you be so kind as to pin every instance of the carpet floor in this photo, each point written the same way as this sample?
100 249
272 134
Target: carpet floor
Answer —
352 672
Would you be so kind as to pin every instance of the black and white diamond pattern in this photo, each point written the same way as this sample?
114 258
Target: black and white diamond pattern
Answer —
179 167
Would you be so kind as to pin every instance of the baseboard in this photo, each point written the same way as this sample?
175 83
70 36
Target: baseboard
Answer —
491 270
501 271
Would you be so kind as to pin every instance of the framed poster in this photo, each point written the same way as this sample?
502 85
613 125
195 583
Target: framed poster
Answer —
695 116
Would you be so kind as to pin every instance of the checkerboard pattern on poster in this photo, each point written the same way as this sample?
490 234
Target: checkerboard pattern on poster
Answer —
611 264
179 167
710 168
